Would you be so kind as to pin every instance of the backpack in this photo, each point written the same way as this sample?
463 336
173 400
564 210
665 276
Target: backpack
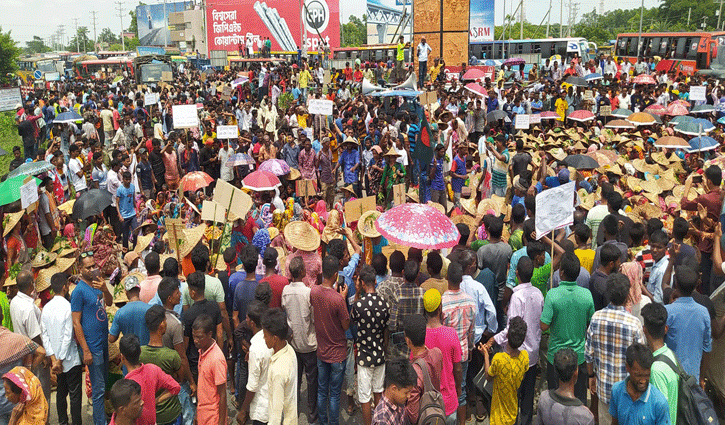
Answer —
431 410
693 405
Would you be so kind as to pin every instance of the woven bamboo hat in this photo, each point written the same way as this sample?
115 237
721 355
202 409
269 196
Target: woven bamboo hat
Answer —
301 235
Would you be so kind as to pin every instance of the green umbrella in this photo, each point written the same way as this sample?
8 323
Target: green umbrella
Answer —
10 189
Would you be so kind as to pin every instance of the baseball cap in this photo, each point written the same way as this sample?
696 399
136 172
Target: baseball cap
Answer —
132 281
563 175
270 254
431 300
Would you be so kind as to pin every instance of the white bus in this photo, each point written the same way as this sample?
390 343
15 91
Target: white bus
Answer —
533 50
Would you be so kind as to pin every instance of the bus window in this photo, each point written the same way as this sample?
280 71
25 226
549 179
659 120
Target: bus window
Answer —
560 49
584 51
621 47
680 48
654 46
535 48
692 43
546 49
498 51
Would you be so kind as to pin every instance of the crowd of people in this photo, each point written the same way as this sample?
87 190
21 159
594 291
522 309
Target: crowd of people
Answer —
165 318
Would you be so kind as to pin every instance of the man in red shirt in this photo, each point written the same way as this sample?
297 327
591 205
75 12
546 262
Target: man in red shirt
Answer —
212 383
421 356
276 282
125 397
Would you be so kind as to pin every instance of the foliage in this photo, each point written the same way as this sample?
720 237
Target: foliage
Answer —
9 52
36 45
354 32
285 100
81 40
132 43
115 47
8 138
107 36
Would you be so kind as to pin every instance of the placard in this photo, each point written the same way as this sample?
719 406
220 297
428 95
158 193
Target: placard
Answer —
167 76
326 77
226 93
305 188
522 122
227 132
150 99
320 106
554 209
213 211
52 76
697 93
354 209
185 116
389 249
9 98
605 111
175 228
428 98
225 194
28 193
399 194
535 119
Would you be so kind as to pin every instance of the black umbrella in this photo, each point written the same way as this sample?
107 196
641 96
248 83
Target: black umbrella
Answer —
496 115
577 81
581 162
91 203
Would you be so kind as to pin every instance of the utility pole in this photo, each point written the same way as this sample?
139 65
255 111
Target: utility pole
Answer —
573 10
95 38
61 33
719 14
689 12
120 15
639 37
78 42
548 20
521 26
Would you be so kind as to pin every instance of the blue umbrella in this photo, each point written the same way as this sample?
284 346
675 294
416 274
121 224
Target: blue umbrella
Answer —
694 127
721 120
703 143
593 76
680 119
31 169
67 117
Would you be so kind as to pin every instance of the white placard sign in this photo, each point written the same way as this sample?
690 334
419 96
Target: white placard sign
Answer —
9 98
28 194
185 116
320 106
535 119
227 132
697 93
522 122
554 209
150 99
212 211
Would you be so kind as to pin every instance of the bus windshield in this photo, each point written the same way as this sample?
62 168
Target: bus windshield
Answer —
46 65
584 51
152 71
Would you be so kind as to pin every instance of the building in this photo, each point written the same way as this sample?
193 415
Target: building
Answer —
188 31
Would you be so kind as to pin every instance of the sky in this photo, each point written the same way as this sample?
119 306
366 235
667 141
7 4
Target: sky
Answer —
26 18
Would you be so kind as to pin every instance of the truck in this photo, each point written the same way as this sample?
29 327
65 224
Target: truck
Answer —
151 68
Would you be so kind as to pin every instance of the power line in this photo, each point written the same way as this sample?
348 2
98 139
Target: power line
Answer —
95 37
78 41
120 15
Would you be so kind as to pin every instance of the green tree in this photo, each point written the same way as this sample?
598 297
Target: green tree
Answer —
107 36
81 41
9 52
132 43
133 26
36 45
355 31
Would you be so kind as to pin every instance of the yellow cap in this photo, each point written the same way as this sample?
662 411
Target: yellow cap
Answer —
431 300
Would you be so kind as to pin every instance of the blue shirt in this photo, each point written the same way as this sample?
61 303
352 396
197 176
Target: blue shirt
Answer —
243 295
486 311
650 408
94 321
347 273
550 182
125 201
437 183
178 307
349 159
689 333
129 319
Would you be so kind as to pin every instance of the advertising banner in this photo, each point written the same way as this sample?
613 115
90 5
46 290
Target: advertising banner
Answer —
153 22
481 21
232 24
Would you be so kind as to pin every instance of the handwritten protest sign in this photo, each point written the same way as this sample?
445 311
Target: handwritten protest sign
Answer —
28 193
213 211
428 98
226 93
227 132
535 119
399 194
226 194
320 106
185 116
150 99
522 122
554 209
697 93
354 209
174 227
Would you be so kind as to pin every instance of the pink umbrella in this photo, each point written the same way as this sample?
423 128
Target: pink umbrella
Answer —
260 181
277 167
474 74
194 181
549 115
477 88
656 109
682 102
676 109
644 79
418 226
581 115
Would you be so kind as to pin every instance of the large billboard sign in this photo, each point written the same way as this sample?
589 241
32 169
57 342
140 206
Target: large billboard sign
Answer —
153 22
481 21
231 24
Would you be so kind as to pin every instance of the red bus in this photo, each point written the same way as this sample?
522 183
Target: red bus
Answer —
681 52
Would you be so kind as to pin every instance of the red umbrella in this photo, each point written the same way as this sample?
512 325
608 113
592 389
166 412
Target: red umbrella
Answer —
656 109
194 181
549 115
418 226
644 79
676 109
682 102
581 115
260 181
474 74
477 88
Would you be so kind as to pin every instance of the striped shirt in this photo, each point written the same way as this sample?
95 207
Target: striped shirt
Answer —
500 170
459 312
610 332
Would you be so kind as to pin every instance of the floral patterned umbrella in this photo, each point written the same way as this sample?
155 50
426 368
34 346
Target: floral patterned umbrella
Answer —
418 226
195 180
277 167
677 109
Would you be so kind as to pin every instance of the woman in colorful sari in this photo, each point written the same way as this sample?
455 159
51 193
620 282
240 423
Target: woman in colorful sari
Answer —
393 173
23 389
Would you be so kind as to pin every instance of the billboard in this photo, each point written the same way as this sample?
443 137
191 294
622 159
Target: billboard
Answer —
231 24
153 22
481 21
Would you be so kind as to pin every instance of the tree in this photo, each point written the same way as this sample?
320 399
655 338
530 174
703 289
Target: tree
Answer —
133 26
107 36
355 31
9 52
36 45
80 41
132 43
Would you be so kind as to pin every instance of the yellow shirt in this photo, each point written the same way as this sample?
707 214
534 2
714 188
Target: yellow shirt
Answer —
507 375
434 71
586 258
304 78
561 107
400 54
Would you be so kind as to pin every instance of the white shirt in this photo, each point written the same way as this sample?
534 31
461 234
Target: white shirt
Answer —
57 333
74 166
296 302
225 172
25 315
112 184
283 387
259 356
423 50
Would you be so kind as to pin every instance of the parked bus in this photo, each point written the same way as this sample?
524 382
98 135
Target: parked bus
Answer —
110 54
95 68
533 50
28 65
367 53
680 52
151 68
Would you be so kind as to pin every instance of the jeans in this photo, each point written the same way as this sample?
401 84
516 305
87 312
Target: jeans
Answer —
422 72
439 196
526 396
126 229
329 379
70 383
307 362
97 372
188 410
498 191
464 372
350 369
30 151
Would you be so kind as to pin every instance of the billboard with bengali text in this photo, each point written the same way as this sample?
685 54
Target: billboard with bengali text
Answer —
481 21
153 22
231 23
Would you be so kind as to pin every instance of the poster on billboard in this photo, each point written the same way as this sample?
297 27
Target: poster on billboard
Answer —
231 25
153 22
481 21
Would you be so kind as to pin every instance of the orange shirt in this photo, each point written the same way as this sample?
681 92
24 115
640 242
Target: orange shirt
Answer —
212 372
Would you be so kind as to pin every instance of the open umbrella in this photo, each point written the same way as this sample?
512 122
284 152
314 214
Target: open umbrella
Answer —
31 169
496 115
260 181
581 162
67 117
623 124
593 76
474 74
277 167
695 127
10 189
656 109
239 81
581 115
514 61
549 115
239 159
621 113
576 81
418 226
702 109
476 88
91 203
644 79
671 142
721 120
194 181
703 143
676 109
682 102
679 119
642 118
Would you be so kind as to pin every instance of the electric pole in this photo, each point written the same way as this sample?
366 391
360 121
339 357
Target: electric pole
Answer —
573 10
95 38
61 33
78 42
548 20
120 15
521 26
